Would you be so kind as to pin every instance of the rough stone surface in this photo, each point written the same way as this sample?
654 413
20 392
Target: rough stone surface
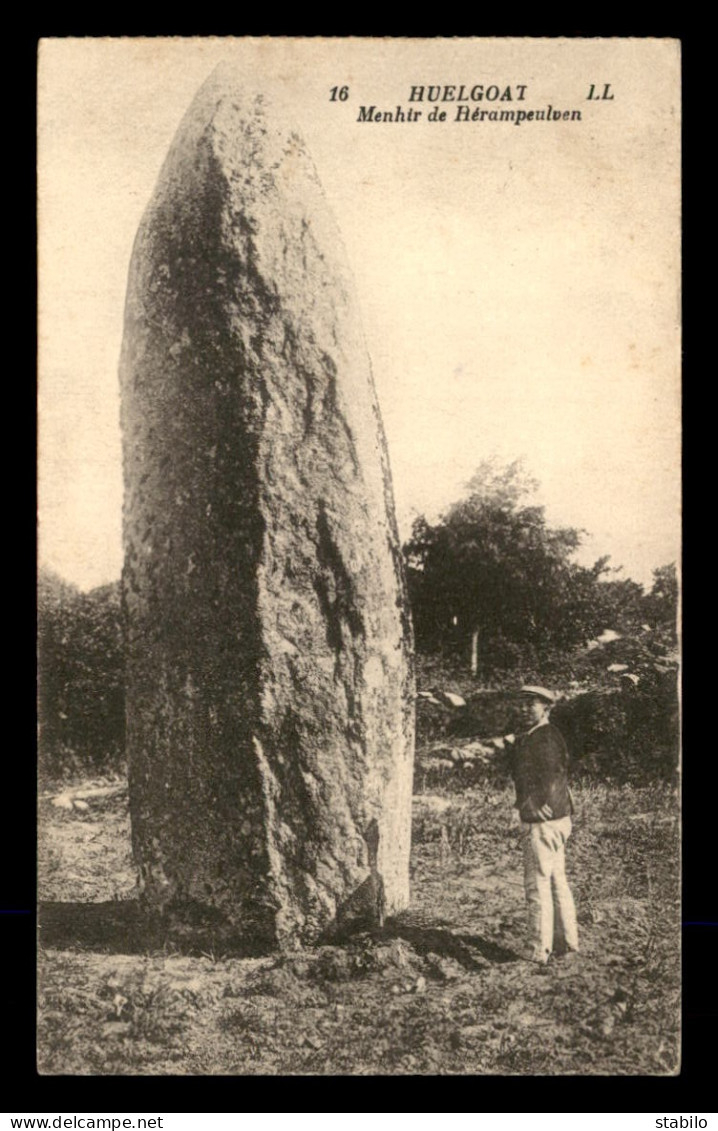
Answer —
269 682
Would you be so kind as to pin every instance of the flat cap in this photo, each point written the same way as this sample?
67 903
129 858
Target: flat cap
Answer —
538 693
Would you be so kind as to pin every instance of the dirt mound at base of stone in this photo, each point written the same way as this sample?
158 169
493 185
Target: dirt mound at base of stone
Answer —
286 980
307 979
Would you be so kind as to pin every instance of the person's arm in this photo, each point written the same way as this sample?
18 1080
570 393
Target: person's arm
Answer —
530 811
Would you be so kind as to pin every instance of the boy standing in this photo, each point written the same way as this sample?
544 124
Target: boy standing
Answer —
539 765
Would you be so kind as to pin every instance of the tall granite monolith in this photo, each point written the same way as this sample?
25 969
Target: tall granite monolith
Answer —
269 677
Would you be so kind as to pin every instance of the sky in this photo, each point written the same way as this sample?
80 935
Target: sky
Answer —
519 285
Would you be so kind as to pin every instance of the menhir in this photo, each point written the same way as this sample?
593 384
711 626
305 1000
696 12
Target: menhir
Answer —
269 678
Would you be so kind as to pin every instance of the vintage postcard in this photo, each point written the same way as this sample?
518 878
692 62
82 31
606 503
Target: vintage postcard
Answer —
359 482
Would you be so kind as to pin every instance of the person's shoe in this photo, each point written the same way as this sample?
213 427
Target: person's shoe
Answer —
570 957
528 958
541 958
539 961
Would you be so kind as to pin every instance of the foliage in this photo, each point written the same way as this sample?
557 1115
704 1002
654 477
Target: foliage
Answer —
661 604
623 734
622 602
619 711
81 676
492 564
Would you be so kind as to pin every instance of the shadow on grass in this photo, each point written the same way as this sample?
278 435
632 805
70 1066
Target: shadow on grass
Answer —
117 925
471 951
124 927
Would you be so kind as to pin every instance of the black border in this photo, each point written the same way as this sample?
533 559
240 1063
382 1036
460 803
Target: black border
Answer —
26 1090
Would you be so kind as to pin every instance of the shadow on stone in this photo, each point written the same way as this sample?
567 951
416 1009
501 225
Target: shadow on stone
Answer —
365 908
362 911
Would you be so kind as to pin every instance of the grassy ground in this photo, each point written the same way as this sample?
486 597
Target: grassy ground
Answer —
439 991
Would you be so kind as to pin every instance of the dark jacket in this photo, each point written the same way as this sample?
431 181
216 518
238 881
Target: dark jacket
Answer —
539 766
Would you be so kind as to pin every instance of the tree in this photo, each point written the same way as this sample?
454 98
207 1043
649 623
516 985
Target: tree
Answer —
661 604
623 603
491 569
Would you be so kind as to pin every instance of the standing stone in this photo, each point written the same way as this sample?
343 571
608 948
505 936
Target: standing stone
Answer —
269 682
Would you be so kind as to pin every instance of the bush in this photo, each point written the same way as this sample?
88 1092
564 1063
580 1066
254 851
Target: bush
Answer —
618 726
624 734
81 678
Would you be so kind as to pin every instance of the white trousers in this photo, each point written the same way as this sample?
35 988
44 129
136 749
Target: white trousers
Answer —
551 910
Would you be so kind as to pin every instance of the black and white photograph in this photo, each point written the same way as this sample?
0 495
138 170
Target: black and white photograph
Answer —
359 545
